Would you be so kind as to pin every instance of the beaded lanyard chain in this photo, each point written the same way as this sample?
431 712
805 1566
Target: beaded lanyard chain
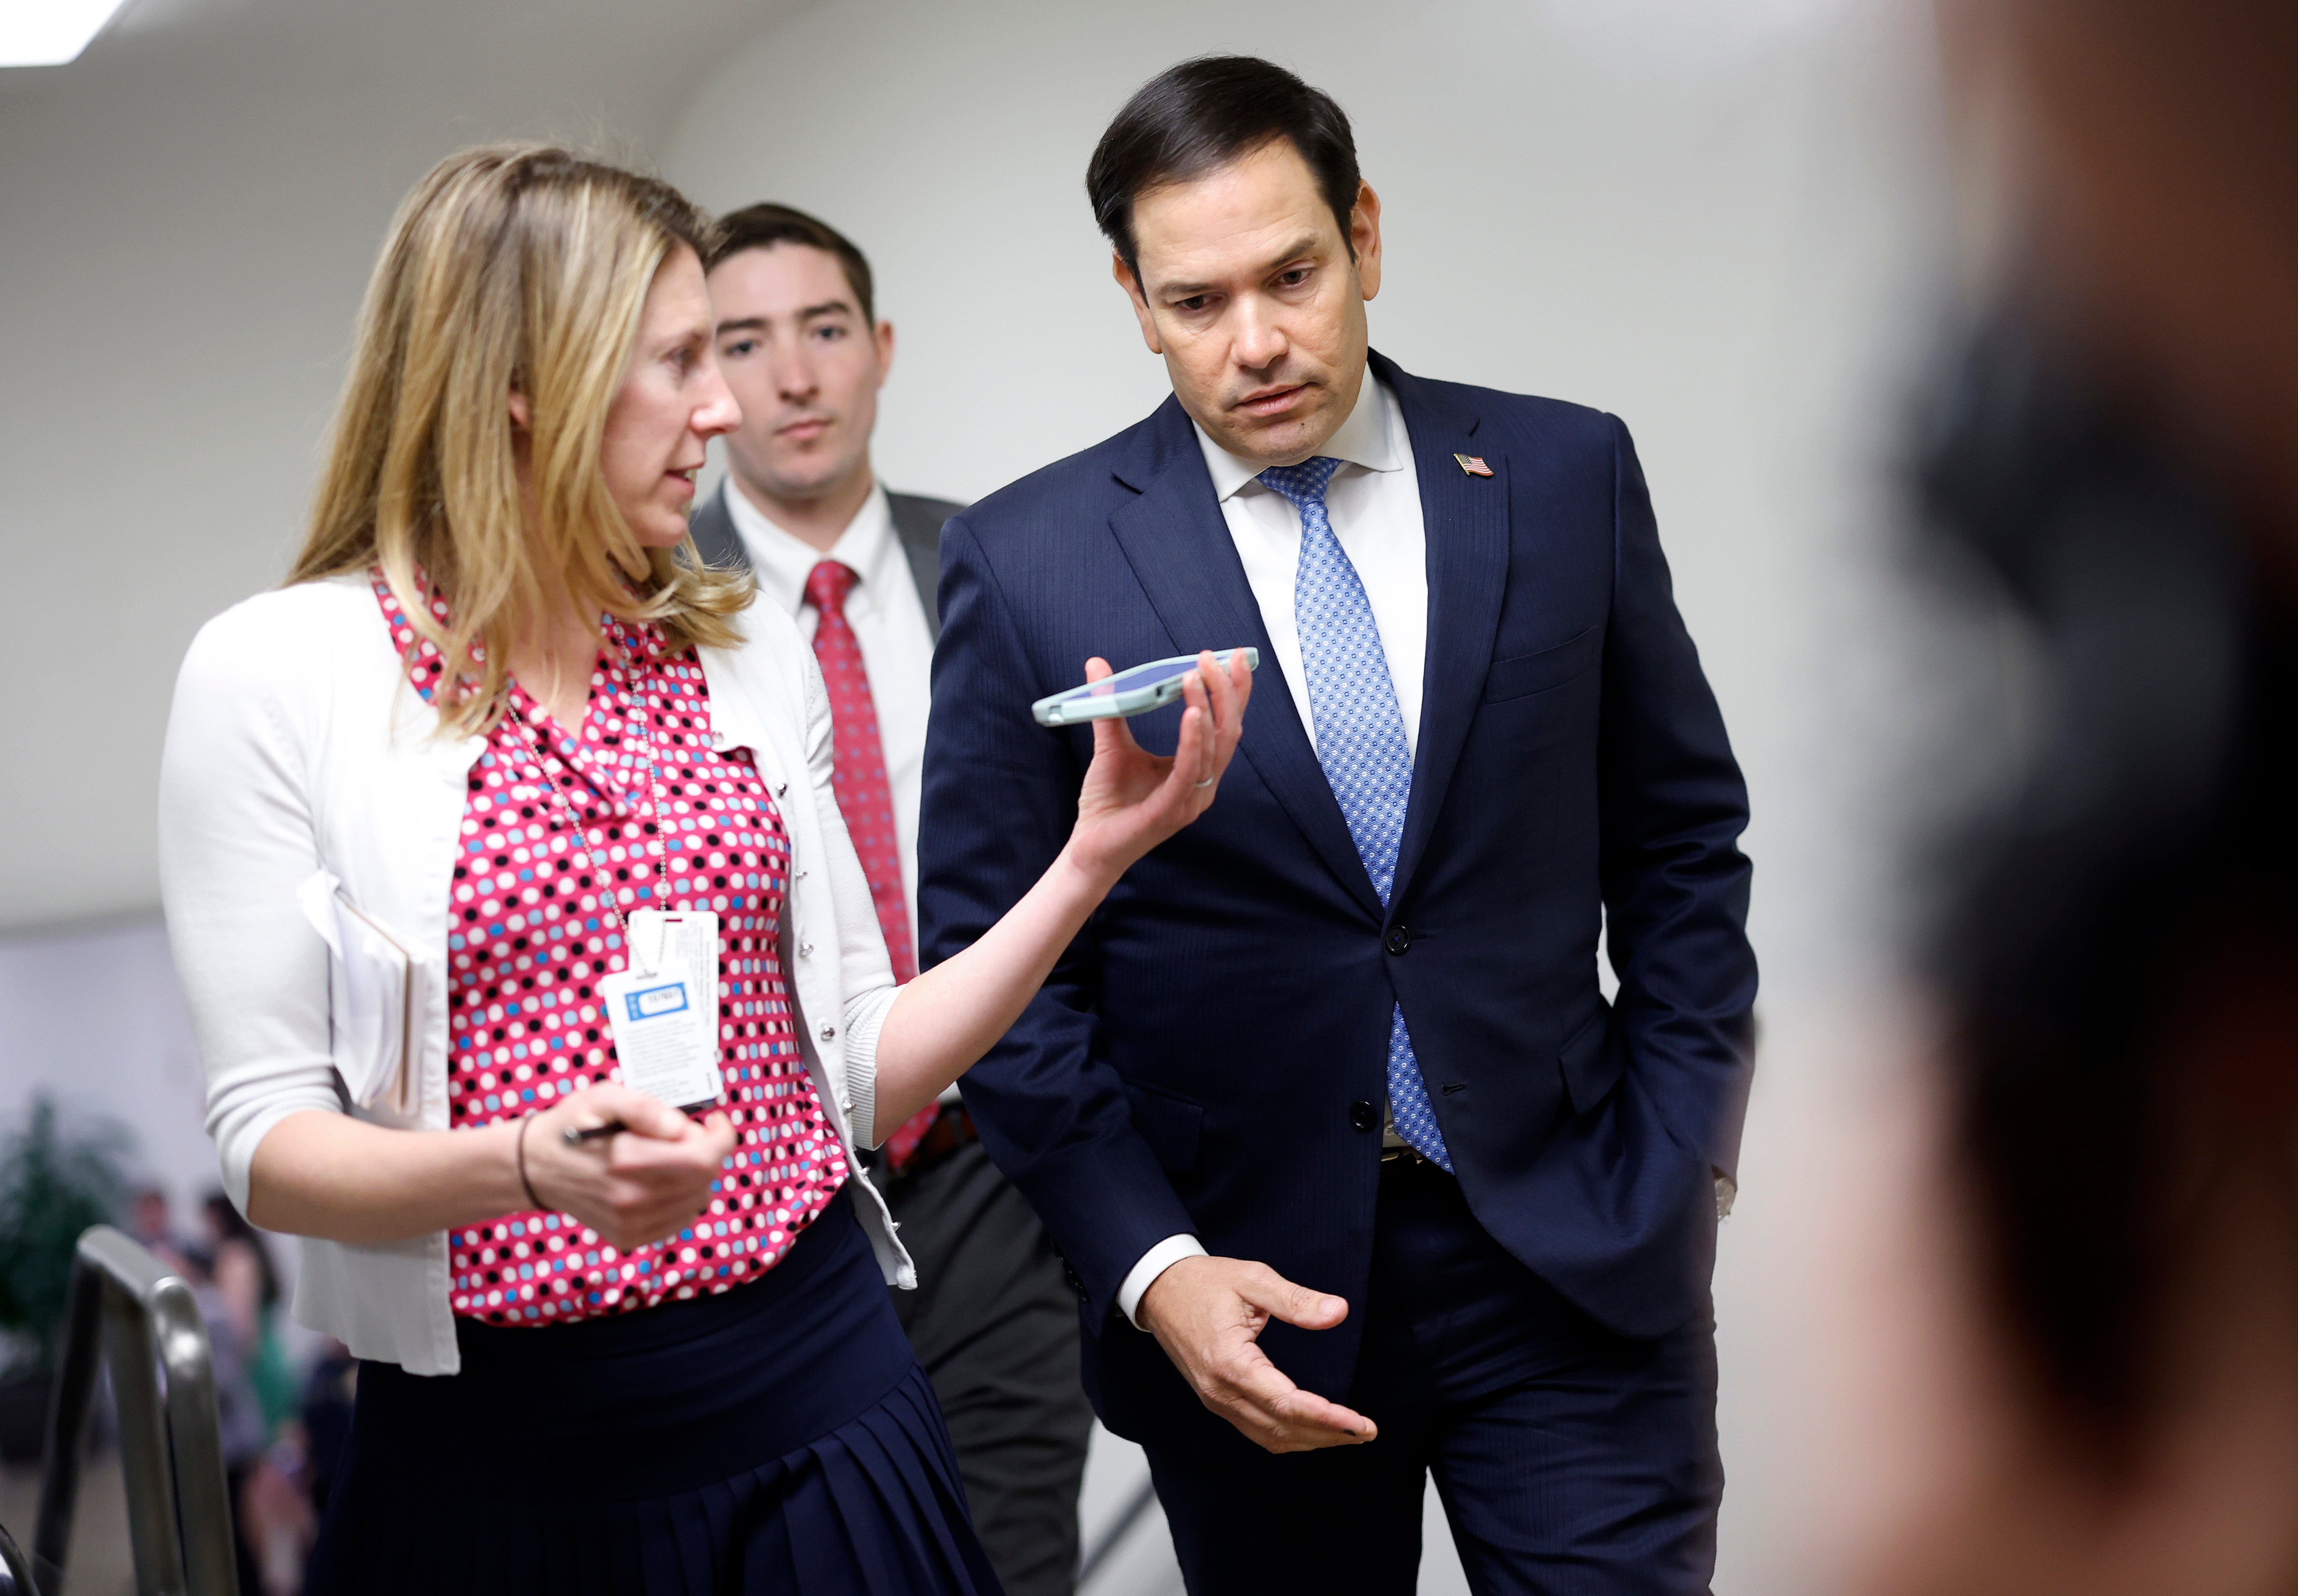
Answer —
574 815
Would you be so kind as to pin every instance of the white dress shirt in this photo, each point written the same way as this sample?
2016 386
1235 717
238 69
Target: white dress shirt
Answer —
1374 504
888 623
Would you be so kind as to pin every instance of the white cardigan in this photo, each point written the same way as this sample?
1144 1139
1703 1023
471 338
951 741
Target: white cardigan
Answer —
296 744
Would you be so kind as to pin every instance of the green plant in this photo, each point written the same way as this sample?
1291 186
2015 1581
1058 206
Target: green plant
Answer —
53 1185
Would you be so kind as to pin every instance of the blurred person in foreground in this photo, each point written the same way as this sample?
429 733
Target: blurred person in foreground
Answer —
501 714
1359 1177
2102 1395
805 355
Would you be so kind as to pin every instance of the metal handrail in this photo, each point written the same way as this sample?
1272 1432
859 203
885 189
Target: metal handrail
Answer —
141 1318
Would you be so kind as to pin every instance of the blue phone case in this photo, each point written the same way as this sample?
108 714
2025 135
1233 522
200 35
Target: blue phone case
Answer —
1105 700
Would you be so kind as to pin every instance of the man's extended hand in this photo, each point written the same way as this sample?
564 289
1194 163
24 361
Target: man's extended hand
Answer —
1208 1312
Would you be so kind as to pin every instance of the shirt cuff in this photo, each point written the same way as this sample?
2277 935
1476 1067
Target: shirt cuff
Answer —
1153 1262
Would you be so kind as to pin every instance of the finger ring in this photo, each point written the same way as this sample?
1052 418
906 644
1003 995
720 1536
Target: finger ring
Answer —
1206 782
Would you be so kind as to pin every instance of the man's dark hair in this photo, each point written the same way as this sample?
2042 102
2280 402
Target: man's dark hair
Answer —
1202 114
762 226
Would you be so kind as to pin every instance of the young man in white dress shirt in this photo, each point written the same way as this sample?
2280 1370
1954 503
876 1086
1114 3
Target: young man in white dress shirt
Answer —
993 1322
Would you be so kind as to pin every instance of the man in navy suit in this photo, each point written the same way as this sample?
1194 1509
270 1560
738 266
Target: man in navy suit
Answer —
1326 1099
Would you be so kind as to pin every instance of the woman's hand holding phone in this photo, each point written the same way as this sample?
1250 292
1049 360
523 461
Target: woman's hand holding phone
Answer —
1132 801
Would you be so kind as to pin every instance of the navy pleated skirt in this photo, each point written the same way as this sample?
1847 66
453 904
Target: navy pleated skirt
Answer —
777 1438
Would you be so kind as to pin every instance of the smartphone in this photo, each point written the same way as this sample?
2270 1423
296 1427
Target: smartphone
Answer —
1128 693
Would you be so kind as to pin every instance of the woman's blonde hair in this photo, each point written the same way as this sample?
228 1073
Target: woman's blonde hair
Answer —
512 269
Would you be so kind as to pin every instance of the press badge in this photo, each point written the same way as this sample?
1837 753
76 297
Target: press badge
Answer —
663 1008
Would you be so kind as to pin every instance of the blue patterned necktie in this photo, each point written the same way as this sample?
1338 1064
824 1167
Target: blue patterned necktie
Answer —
1359 741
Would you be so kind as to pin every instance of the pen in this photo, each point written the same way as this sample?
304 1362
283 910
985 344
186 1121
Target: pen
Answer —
575 1138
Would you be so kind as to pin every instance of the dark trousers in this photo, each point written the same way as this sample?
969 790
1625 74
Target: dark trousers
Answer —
997 1329
1571 1461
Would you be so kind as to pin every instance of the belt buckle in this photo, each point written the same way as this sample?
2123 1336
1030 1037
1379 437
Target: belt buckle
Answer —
1402 1152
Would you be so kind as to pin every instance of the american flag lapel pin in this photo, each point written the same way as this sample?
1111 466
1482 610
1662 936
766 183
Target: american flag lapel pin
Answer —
1474 465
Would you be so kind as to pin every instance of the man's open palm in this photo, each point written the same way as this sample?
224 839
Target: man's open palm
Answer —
1208 1314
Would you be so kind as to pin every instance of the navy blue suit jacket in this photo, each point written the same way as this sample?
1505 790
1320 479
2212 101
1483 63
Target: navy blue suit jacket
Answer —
1198 1060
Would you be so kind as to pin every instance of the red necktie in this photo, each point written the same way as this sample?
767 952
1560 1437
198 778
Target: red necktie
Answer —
865 797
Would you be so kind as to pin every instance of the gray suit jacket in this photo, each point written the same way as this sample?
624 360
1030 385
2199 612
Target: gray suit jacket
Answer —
917 523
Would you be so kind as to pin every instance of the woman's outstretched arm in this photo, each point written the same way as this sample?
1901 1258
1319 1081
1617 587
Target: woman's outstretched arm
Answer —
1131 801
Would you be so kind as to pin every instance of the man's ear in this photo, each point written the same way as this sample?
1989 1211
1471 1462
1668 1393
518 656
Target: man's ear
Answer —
883 337
1364 236
1127 280
521 416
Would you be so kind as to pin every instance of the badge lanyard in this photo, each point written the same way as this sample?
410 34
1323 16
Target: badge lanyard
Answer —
661 1011
574 815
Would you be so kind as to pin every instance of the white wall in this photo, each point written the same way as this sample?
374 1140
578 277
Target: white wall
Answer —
66 1035
1713 216
187 218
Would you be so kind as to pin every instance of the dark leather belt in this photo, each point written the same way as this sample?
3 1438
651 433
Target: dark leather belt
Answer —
952 1130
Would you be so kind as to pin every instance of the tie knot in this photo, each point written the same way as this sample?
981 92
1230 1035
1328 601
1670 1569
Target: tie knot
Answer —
828 583
1304 483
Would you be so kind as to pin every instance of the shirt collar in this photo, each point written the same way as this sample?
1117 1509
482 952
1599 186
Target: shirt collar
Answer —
782 562
634 647
1370 437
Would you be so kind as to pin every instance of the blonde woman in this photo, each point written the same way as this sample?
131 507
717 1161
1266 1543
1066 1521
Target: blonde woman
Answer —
434 815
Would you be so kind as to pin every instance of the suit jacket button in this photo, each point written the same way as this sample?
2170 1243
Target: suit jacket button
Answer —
1399 938
1363 1115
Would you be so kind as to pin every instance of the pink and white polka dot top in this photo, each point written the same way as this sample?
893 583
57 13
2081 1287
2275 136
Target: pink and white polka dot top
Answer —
530 937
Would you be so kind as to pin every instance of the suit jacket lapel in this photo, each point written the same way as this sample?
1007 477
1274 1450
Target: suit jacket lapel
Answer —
1467 522
1179 548
917 527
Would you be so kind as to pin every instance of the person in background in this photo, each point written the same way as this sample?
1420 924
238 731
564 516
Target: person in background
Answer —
2089 1352
152 1221
501 720
232 1314
329 1394
257 1388
805 354
1336 1065
249 1283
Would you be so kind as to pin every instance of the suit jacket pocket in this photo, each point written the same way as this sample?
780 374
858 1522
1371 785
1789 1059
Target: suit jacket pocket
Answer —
1168 1123
1528 674
1591 1066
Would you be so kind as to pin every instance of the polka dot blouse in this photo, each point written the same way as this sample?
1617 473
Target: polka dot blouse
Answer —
530 939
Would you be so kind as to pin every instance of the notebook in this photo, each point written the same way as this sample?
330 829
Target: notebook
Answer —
376 996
